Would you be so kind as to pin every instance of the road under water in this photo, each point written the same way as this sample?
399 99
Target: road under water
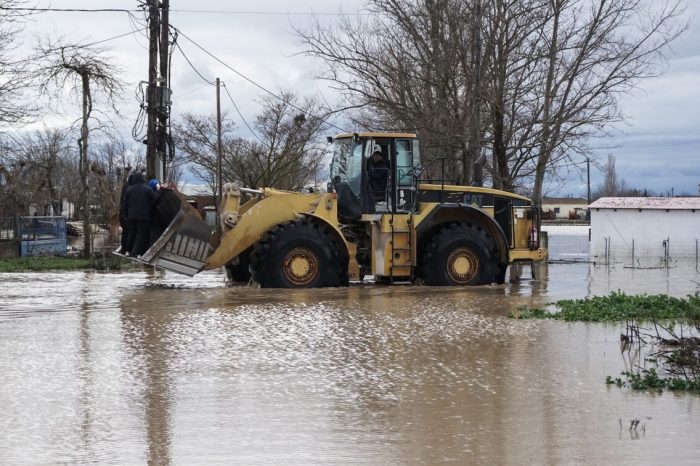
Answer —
150 367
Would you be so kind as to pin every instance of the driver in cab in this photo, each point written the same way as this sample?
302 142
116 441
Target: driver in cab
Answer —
378 173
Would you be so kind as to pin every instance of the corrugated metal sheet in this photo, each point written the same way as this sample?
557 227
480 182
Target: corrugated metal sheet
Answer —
647 203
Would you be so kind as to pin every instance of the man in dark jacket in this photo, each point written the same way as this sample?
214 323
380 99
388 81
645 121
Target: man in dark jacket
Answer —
122 215
378 174
138 208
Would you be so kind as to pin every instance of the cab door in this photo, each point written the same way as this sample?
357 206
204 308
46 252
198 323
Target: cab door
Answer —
406 159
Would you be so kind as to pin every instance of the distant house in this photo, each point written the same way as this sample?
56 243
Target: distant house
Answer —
206 206
564 208
646 227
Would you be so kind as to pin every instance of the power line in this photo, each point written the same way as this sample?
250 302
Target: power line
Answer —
90 44
227 92
133 31
232 12
70 10
192 66
271 13
305 112
241 115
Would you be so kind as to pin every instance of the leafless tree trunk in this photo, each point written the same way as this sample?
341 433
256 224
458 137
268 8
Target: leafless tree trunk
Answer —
414 66
513 26
86 73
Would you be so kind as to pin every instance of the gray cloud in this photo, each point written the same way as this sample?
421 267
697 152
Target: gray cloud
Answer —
658 146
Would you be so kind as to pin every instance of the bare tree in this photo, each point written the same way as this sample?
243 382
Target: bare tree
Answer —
112 162
15 74
195 137
88 76
529 80
594 51
285 152
612 184
15 194
38 172
47 155
511 29
412 65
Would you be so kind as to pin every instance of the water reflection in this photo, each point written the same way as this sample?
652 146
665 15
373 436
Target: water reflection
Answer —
154 368
144 328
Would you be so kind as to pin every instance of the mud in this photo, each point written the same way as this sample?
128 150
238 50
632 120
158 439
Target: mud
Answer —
150 367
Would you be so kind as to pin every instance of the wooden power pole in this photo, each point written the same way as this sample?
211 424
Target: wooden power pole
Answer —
164 114
158 91
219 150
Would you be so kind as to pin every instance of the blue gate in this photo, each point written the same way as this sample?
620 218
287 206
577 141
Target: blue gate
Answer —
42 236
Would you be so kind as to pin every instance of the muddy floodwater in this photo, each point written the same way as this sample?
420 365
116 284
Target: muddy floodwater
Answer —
154 368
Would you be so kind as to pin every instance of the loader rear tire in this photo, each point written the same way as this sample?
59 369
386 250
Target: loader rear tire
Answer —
460 254
299 254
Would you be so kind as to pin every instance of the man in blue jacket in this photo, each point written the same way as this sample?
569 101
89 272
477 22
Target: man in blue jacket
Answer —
138 209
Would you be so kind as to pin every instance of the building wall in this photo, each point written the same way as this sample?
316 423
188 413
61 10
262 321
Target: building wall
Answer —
563 208
648 229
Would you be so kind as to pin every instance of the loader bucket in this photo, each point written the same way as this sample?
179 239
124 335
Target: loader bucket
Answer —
186 242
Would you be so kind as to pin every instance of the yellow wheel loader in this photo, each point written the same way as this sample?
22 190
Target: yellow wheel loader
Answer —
406 228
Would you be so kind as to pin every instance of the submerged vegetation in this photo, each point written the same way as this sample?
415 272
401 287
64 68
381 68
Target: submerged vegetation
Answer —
650 380
618 307
39 264
660 343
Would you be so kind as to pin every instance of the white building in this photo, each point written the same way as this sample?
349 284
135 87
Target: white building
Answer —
645 230
564 207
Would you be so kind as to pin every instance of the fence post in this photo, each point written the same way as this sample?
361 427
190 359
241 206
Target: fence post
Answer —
605 253
605 249
633 252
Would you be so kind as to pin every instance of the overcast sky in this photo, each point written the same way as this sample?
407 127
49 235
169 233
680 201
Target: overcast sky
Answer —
658 147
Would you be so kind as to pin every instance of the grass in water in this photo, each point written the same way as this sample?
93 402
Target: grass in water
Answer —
669 341
38 264
618 307
106 262
651 380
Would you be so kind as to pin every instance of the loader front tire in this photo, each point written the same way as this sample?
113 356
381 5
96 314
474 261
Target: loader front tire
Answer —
238 270
460 254
299 254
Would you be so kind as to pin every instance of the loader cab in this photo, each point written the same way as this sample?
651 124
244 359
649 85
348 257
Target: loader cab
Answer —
355 171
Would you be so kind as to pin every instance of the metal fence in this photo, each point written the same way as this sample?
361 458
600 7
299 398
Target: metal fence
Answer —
40 236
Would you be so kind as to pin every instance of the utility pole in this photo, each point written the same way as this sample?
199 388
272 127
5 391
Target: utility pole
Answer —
153 36
164 114
218 142
158 92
